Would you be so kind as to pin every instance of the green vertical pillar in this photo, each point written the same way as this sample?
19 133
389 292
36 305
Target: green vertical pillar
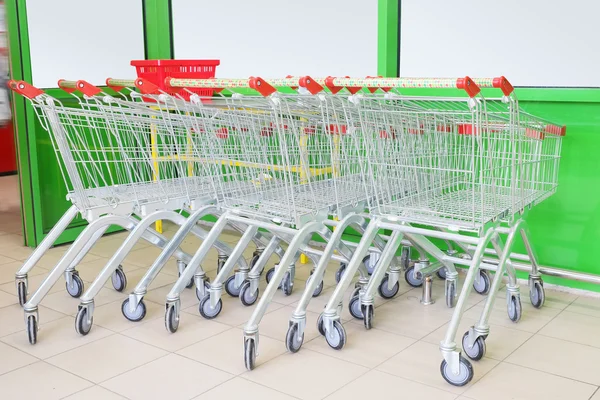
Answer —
388 37
158 29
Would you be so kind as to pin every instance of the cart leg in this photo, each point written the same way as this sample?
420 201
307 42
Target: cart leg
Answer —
537 295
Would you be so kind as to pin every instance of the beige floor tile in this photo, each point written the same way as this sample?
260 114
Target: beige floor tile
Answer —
225 351
12 319
275 324
192 331
320 374
20 253
559 357
55 337
172 377
7 299
500 343
380 385
421 363
62 302
145 258
188 296
8 271
40 381
239 388
110 316
511 381
33 283
106 358
54 255
554 298
11 240
368 348
574 327
134 277
95 393
586 305
596 395
107 246
6 260
88 271
12 359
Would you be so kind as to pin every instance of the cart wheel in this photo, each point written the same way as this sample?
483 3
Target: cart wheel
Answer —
465 372
385 291
537 294
441 273
32 329
254 260
292 342
370 263
249 354
337 338
22 293
137 315
319 287
119 279
246 296
206 284
82 326
514 308
412 278
450 294
207 311
230 288
354 307
477 351
171 319
482 285
287 285
75 289
320 325
340 272
189 284
269 274
405 258
367 312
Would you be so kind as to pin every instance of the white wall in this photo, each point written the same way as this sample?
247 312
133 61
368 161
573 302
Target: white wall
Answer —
84 39
274 38
531 42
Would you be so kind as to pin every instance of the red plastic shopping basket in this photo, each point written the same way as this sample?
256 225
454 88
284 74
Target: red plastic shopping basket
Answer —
157 70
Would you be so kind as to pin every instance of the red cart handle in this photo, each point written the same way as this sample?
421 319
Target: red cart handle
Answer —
83 86
25 89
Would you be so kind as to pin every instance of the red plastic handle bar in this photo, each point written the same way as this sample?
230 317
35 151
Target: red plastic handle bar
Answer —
84 87
25 89
146 87
499 83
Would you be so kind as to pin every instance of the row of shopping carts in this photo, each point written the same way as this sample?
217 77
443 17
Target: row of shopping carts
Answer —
282 167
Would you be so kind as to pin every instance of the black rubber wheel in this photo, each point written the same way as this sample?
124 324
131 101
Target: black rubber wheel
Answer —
354 307
537 295
32 329
292 342
137 315
414 280
385 291
369 263
254 260
441 273
81 323
287 285
340 272
249 354
338 338
171 319
483 284
207 311
514 308
119 279
75 289
230 287
367 312
246 297
319 289
206 284
465 372
476 352
269 274
320 325
22 293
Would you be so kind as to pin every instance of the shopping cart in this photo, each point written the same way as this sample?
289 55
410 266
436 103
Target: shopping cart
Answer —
458 166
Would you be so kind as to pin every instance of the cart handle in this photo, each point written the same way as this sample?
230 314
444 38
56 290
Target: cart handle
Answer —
256 83
499 83
84 87
25 89
119 84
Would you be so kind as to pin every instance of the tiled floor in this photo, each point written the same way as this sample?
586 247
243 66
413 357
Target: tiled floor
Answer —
551 353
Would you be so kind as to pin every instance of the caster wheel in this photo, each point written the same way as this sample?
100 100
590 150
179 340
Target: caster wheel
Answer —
206 284
246 297
82 326
477 351
75 289
385 291
171 319
450 294
207 311
137 315
292 341
465 372
441 273
254 260
370 263
22 293
230 288
367 312
287 285
249 354
320 325
319 287
119 280
269 274
340 272
483 284
537 294
337 339
414 280
189 284
32 329
514 308
354 307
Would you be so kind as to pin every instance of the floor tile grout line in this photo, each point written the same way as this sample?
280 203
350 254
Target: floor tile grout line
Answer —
549 373
268 387
593 394
345 384
82 390
412 380
567 341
